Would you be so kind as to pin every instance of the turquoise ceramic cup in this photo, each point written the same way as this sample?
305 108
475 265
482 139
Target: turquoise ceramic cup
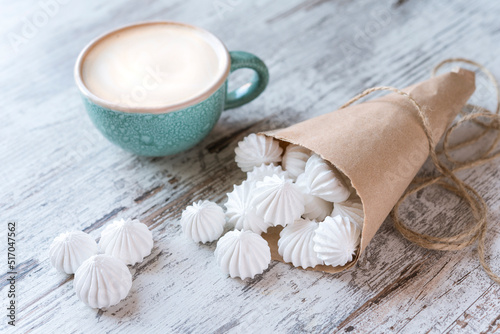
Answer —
170 129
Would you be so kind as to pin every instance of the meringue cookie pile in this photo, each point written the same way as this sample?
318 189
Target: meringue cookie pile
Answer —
321 213
102 280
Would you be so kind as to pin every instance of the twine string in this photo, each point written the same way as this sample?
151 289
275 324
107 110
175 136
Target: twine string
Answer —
447 178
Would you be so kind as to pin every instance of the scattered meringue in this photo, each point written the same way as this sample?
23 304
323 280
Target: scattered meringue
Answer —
278 200
203 221
294 160
319 179
241 212
352 209
316 208
259 173
336 240
128 240
70 249
102 281
255 150
242 254
296 244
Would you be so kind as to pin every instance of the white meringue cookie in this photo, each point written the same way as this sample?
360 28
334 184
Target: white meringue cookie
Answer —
255 150
102 281
242 254
278 200
294 160
128 240
316 208
70 249
352 209
259 173
320 180
296 244
336 240
241 211
203 221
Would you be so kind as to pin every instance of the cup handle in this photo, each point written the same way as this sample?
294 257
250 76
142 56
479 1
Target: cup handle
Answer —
252 89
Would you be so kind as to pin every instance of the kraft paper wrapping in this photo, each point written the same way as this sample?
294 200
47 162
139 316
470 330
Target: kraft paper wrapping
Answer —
379 145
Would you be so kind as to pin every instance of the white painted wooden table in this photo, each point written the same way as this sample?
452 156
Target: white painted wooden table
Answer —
57 173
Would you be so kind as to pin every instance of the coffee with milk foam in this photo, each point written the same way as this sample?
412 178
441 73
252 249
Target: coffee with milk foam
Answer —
153 66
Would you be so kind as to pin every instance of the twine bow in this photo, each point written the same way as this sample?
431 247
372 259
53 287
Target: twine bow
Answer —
447 177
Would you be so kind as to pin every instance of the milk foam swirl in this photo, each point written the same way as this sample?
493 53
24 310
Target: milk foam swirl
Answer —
152 66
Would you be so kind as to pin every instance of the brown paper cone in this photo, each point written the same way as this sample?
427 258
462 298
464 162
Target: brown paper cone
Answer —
379 145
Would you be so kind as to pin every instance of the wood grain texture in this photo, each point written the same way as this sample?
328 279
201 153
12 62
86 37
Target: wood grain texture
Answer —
58 173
